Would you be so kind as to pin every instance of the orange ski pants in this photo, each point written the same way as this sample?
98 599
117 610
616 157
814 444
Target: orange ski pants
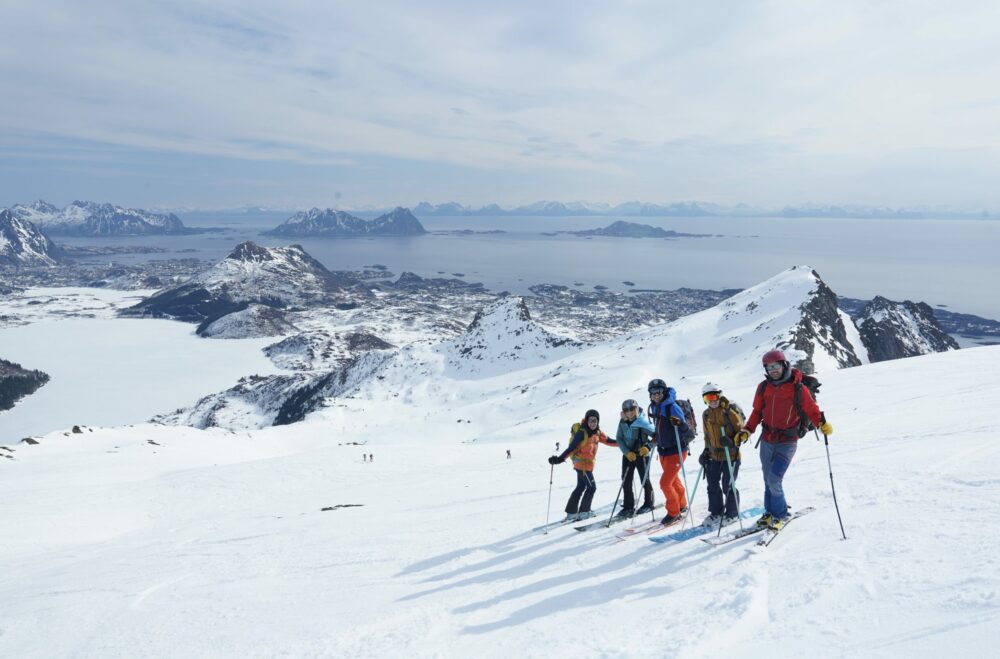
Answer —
671 485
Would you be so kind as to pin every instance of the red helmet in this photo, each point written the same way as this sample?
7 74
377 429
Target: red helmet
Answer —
772 356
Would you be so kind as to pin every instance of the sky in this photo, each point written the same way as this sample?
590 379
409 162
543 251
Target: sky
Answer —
236 103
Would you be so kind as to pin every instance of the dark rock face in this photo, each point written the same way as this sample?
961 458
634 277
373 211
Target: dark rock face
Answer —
338 224
893 330
23 244
822 325
17 382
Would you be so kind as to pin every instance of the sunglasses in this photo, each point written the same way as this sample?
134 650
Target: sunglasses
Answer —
710 397
774 366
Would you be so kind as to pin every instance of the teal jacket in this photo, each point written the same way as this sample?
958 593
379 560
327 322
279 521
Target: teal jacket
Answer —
632 435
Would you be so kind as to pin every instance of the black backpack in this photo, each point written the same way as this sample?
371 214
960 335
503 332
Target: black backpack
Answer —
813 385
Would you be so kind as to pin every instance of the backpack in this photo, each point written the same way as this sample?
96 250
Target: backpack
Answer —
729 424
572 432
689 418
812 384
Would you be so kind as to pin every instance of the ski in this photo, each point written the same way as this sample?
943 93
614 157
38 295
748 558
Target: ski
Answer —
606 523
742 533
702 529
771 534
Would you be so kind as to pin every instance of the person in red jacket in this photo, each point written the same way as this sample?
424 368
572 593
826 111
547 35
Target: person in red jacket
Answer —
774 408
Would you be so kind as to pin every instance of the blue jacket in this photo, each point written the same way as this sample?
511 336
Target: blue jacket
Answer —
629 437
666 439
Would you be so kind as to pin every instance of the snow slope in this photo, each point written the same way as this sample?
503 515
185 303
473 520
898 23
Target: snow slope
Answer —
171 541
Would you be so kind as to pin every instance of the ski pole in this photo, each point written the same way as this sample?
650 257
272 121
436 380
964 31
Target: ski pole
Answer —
826 442
548 508
617 497
732 487
680 458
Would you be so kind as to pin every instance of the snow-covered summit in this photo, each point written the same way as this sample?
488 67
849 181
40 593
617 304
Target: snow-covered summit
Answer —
23 244
86 218
501 338
335 224
277 277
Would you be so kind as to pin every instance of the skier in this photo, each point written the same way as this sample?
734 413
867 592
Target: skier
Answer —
668 417
583 450
775 409
508 454
722 422
364 457
634 431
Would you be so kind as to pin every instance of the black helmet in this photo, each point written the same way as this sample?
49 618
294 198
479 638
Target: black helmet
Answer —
592 413
657 384
629 404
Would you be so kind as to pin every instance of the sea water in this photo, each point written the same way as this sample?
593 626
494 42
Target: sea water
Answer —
950 263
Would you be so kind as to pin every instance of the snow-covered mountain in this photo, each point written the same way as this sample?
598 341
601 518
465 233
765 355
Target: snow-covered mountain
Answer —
790 310
892 330
502 338
279 277
338 224
256 321
23 244
86 218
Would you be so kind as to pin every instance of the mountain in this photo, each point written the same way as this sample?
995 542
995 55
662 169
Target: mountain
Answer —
329 223
16 383
502 337
256 321
86 218
23 244
278 277
504 348
892 330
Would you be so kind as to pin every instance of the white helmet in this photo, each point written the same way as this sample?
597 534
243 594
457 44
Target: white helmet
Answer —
710 387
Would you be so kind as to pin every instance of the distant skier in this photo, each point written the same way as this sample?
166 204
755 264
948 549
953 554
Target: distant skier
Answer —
583 450
634 440
364 457
722 422
557 446
775 409
508 454
671 430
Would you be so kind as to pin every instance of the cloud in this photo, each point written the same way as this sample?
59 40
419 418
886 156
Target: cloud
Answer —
610 94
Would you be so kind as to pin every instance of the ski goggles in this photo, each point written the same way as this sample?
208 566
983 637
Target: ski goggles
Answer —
711 396
774 367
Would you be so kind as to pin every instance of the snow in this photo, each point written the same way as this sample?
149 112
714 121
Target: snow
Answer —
114 371
212 543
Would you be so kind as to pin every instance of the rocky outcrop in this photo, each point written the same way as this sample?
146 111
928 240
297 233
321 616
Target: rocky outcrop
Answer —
329 223
23 244
256 321
17 382
893 330
822 326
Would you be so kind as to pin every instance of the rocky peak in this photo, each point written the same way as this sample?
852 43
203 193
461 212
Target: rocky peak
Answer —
23 244
251 252
502 336
892 330
822 326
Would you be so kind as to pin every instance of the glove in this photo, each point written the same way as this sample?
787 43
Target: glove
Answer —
556 460
703 458
630 456
742 437
676 421
826 428
644 451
